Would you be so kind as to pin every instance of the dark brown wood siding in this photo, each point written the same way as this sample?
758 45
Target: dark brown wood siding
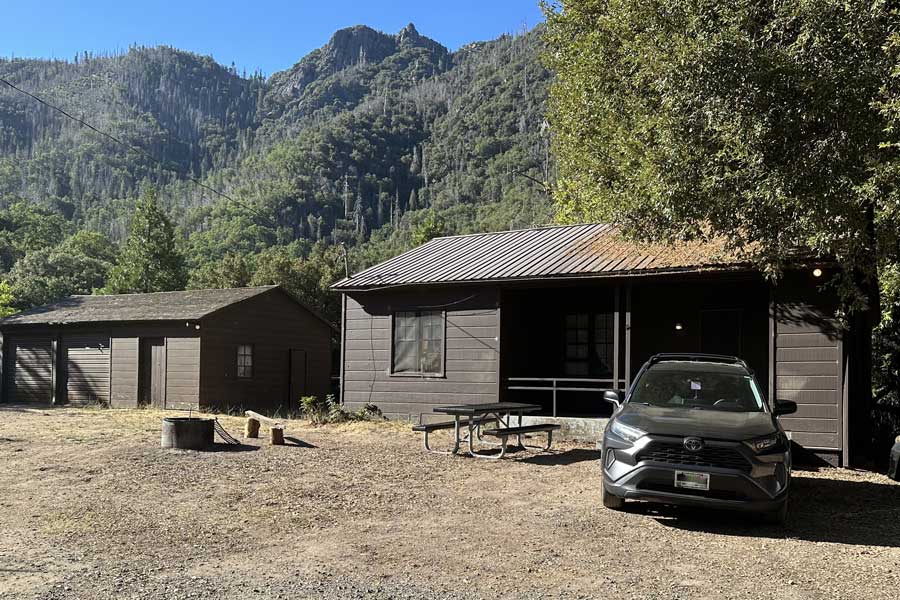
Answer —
471 368
808 361
182 372
86 364
28 368
86 374
273 324
124 372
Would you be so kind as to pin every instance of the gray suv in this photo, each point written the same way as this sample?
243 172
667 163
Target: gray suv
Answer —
695 429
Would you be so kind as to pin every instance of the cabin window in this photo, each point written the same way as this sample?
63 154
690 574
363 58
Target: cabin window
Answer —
418 345
588 344
245 361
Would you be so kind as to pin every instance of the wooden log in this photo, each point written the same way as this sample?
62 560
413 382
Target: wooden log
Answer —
252 428
263 419
277 436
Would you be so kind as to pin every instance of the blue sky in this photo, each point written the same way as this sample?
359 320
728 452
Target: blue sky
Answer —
266 34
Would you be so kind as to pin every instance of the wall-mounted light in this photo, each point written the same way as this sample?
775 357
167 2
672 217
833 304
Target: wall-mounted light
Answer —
817 272
679 327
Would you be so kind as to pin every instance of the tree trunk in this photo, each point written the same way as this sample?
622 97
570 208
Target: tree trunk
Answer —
862 322
252 428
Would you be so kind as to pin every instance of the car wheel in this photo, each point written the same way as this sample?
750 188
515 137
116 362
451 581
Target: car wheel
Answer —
777 517
612 501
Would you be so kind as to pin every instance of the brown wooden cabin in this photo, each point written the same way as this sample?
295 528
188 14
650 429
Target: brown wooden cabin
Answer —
235 348
556 315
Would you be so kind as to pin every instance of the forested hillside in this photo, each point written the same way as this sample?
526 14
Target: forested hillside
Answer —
373 141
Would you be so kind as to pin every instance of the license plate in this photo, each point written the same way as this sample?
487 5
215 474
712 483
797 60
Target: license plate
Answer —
691 480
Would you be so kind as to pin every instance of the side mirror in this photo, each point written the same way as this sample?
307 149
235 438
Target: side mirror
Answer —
612 397
785 407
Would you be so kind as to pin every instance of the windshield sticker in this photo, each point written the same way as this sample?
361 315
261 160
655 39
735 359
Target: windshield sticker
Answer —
695 385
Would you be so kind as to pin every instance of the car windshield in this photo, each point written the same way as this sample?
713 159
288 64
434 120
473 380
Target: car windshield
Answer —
698 385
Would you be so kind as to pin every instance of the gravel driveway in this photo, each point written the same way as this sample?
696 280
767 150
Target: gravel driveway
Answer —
91 507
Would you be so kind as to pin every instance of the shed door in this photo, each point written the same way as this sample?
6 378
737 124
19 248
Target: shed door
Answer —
87 369
153 372
31 370
298 376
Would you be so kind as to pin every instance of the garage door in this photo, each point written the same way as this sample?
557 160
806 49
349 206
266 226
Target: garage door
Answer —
31 370
87 369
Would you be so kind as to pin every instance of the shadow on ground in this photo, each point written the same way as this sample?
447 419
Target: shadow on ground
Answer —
567 457
292 441
821 510
217 447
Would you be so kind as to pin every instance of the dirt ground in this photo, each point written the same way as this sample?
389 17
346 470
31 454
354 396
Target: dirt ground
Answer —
91 507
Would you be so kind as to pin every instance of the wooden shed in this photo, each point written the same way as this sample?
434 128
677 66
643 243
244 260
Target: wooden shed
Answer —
556 315
235 348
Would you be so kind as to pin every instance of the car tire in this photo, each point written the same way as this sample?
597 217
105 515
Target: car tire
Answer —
612 501
777 517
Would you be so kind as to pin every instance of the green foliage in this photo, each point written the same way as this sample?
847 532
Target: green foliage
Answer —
432 226
150 260
79 265
7 300
323 411
756 122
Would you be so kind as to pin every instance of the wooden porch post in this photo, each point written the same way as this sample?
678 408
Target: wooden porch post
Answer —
616 351
627 337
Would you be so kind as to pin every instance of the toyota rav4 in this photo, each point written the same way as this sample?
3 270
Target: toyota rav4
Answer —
695 429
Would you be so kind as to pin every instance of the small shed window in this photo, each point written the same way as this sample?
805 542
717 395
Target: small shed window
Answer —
245 361
418 342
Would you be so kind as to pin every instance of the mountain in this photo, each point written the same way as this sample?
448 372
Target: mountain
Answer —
372 141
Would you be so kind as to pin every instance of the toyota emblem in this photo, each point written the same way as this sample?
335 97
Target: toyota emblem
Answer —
693 444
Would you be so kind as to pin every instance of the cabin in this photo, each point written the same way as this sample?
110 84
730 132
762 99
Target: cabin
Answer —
556 315
246 348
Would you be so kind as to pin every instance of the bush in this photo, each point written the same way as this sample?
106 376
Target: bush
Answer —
321 411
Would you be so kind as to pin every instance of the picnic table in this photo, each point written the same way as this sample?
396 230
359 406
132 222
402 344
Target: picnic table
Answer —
469 421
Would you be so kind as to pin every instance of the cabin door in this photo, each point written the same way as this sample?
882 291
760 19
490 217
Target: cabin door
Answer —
298 376
153 372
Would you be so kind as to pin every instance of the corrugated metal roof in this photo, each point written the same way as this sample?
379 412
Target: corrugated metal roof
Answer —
592 250
159 306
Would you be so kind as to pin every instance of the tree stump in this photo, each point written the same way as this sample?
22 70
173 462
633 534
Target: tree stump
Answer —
277 436
252 428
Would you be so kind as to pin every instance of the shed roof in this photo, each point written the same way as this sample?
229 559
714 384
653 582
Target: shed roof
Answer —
590 250
159 306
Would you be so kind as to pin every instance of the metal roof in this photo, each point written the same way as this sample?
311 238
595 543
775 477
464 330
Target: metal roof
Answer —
591 250
159 306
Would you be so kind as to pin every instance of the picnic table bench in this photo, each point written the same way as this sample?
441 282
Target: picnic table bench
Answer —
469 421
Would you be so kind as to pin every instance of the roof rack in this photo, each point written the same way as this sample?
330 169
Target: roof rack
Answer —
699 357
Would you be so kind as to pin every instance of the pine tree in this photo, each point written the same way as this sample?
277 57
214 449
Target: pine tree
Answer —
150 260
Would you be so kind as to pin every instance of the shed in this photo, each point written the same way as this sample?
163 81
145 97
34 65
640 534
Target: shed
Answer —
556 315
231 348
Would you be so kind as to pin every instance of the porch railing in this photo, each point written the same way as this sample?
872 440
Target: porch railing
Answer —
559 384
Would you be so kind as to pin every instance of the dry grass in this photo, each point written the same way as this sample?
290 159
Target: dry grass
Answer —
91 507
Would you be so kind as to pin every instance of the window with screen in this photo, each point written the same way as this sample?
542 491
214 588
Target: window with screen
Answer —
588 344
418 342
245 361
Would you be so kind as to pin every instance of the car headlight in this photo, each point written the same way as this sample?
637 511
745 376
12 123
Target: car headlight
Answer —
626 432
769 443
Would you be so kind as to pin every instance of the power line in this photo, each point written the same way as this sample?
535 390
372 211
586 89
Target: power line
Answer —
137 148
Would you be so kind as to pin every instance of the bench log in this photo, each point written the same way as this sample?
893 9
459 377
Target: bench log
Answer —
276 428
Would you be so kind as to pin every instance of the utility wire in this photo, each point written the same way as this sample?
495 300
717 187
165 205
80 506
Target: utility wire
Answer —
138 149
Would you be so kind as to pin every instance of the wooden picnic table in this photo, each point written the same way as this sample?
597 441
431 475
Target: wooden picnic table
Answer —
474 416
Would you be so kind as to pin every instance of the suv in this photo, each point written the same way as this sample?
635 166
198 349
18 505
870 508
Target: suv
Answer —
695 429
